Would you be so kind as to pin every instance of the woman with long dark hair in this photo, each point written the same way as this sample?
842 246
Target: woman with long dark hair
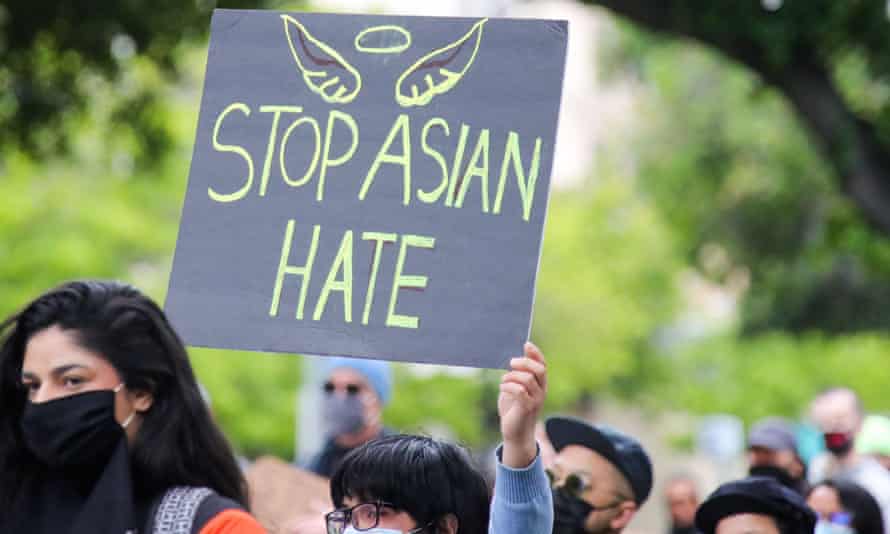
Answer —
103 428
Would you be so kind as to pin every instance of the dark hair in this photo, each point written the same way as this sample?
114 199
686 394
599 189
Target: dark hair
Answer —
859 503
177 444
786 526
426 478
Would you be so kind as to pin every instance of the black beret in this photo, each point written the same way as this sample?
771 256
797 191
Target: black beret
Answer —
621 450
755 495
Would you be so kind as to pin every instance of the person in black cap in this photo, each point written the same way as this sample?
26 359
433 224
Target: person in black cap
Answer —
755 505
600 477
772 452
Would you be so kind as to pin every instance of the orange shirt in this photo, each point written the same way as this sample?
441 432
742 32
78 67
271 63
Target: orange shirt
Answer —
233 522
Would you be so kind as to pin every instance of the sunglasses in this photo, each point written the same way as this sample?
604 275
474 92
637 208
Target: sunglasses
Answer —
351 389
573 484
576 485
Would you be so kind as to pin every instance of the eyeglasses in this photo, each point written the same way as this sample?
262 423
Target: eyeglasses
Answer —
364 516
351 389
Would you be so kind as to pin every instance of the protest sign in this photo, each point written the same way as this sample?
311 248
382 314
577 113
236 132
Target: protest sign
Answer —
371 186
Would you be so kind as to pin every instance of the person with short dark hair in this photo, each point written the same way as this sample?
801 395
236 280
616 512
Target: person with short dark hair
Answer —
412 484
843 506
103 428
755 505
601 477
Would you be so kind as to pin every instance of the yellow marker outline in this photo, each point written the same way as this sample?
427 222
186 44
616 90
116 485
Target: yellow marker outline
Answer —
284 269
236 149
431 197
379 239
281 153
344 260
338 97
386 50
401 280
451 77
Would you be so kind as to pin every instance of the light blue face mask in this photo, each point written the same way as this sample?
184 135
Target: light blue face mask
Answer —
827 527
376 530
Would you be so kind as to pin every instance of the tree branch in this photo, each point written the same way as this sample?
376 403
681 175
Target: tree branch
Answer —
849 144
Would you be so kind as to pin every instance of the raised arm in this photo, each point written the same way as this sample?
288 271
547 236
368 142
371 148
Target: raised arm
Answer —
522 501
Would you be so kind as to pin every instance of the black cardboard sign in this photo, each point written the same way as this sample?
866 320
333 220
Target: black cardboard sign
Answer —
371 186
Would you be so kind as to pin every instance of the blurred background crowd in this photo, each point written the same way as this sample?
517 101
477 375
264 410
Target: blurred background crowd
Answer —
716 254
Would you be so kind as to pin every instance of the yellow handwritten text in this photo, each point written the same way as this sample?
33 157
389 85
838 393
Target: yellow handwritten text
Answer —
467 169
340 277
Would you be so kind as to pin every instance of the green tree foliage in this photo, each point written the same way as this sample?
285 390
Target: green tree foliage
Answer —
51 50
441 401
798 48
730 167
776 373
728 163
606 284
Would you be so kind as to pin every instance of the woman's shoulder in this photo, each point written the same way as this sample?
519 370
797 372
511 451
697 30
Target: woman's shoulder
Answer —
204 512
220 515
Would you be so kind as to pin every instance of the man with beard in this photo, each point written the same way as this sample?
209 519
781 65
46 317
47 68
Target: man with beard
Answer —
755 505
600 477
681 497
772 452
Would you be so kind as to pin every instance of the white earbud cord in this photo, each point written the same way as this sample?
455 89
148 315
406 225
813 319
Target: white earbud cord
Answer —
129 417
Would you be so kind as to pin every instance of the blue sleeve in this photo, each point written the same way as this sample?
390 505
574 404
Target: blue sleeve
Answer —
522 502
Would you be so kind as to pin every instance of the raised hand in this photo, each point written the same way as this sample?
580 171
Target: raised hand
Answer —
324 70
523 390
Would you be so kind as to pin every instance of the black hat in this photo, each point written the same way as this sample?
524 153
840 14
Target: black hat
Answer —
621 450
755 495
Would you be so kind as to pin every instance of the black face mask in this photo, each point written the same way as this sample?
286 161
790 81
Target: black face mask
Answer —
78 431
569 513
775 473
